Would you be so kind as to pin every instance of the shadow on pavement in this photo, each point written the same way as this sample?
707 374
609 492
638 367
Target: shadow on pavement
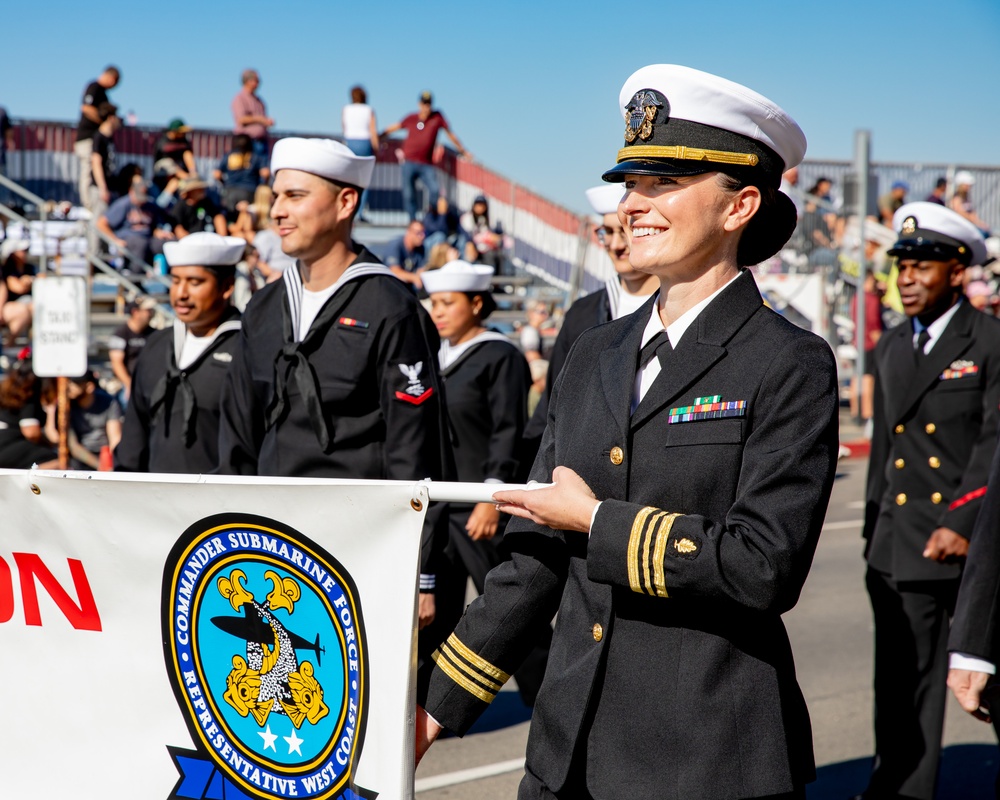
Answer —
967 773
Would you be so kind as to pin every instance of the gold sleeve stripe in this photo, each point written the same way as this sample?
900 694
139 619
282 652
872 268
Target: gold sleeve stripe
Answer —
687 153
647 541
445 666
447 652
479 663
633 547
659 554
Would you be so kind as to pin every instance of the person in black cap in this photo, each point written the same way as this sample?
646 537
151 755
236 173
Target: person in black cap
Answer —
336 372
172 421
937 391
691 448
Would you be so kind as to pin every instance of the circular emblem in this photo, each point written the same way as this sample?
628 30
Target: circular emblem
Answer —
265 649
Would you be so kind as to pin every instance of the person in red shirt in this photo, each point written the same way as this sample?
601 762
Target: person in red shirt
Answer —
873 332
418 151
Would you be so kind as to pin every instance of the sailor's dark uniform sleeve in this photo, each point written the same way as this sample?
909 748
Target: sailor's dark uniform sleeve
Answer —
413 411
241 418
507 400
497 631
132 452
961 513
759 555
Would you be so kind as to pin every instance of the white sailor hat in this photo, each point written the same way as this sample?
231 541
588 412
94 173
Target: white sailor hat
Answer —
681 121
204 249
604 199
324 157
930 232
965 178
457 276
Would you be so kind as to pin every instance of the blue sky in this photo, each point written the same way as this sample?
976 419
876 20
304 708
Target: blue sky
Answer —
531 88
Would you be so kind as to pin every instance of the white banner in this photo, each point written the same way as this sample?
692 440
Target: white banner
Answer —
210 638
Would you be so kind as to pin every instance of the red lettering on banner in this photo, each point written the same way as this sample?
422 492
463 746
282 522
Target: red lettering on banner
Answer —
83 615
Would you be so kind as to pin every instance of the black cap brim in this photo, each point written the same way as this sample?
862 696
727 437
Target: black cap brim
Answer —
666 166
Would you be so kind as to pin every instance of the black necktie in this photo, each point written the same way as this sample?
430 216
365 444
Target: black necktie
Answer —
922 339
653 347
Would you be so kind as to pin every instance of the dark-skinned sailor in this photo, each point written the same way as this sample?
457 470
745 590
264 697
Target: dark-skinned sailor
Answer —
172 421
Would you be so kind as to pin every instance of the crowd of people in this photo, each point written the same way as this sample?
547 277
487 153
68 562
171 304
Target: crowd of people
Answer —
688 433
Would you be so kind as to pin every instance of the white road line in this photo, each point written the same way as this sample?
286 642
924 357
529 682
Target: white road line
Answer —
849 523
466 775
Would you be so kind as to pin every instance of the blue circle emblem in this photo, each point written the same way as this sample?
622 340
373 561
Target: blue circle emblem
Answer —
265 648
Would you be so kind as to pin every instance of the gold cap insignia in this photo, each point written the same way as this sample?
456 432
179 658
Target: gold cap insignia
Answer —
909 225
684 546
640 114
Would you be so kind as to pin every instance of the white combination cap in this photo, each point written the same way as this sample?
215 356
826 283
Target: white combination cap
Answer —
681 121
324 157
965 178
457 276
930 232
204 249
604 199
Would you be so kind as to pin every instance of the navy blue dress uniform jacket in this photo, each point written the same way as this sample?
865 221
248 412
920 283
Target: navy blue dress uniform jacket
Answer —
172 420
372 357
935 430
975 629
669 664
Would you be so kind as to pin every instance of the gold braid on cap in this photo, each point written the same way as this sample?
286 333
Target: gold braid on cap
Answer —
687 154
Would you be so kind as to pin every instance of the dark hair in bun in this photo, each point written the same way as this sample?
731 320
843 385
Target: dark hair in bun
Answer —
770 228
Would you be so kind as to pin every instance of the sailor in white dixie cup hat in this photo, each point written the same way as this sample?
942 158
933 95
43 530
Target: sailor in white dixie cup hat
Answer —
692 446
336 374
172 419
486 379
624 292
937 390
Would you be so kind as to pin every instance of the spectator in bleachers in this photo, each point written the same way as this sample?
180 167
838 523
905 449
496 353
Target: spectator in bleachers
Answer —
443 223
127 341
103 169
6 139
940 192
539 374
406 255
357 120
484 242
196 211
240 172
272 260
962 201
892 200
979 295
173 161
136 224
531 339
16 276
249 113
94 95
95 419
21 418
252 218
417 151
818 243
440 254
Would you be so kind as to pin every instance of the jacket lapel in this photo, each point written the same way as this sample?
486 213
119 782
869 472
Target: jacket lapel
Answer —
702 345
618 363
954 340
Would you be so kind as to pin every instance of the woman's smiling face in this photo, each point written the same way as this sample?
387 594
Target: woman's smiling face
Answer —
674 225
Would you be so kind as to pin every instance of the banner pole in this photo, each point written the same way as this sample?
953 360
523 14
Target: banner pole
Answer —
456 492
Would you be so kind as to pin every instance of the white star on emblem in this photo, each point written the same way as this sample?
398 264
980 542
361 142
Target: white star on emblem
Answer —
293 743
268 738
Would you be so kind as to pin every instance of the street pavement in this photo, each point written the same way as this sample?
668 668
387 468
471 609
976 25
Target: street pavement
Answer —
831 632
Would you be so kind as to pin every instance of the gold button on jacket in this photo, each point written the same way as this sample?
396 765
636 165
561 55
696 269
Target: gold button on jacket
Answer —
617 456
900 428
598 631
934 461
936 498
900 463
930 427
900 499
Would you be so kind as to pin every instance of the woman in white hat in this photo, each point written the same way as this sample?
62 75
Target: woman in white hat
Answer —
961 202
691 448
486 382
